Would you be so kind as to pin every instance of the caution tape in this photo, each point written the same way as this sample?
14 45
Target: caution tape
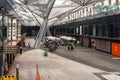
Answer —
10 77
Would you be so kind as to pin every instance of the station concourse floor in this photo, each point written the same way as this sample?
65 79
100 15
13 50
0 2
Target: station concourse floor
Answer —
80 64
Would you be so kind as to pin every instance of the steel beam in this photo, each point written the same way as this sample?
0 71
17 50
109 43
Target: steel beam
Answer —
44 26
33 14
8 1
42 32
64 15
67 13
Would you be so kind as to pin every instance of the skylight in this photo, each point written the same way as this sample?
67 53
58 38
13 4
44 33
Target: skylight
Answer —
58 2
37 9
63 2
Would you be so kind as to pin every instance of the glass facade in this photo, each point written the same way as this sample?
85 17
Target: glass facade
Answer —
3 29
93 30
9 28
106 26
99 30
116 30
85 30
30 30
105 30
0 25
100 7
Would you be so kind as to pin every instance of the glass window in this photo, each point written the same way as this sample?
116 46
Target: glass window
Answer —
90 11
117 1
85 30
71 30
77 15
99 29
94 30
80 29
109 2
86 9
80 13
0 20
77 30
116 32
105 30
103 3
68 17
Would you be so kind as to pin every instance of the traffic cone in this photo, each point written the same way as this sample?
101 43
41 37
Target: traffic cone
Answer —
38 77
37 73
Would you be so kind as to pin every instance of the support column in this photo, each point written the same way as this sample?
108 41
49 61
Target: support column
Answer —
1 27
2 56
48 31
17 29
14 29
42 30
11 28
42 34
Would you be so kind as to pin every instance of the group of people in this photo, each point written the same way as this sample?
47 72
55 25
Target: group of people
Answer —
51 45
71 46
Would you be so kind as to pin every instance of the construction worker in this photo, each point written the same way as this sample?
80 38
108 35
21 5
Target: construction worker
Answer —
29 44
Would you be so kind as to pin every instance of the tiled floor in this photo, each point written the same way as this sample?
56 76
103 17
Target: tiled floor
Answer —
52 67
80 64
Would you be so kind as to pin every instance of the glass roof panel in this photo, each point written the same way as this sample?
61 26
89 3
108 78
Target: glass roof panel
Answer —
58 11
36 10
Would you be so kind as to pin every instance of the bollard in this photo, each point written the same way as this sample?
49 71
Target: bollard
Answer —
37 73
17 73
45 53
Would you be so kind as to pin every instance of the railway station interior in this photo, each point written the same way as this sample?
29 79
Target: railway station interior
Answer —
59 39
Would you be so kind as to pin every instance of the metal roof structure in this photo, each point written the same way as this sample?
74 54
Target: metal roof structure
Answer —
43 13
33 12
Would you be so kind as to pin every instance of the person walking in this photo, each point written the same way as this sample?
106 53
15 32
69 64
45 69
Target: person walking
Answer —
22 45
69 47
29 44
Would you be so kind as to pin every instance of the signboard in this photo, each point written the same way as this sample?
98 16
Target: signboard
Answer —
10 49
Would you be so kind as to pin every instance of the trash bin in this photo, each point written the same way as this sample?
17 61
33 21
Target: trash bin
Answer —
45 53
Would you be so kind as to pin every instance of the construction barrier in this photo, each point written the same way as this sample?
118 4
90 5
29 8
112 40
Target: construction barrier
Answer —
10 53
115 48
10 77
